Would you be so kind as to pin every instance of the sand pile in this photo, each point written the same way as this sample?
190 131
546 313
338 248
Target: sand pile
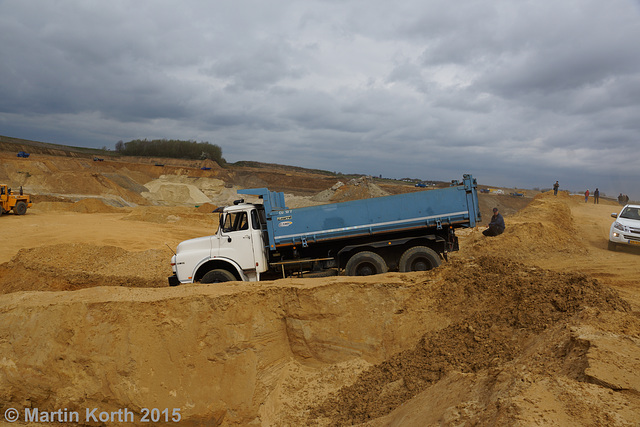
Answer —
92 206
181 215
165 192
206 208
502 314
76 266
545 228
174 190
88 205
355 189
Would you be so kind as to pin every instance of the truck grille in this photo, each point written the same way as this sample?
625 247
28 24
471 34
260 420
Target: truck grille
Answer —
632 237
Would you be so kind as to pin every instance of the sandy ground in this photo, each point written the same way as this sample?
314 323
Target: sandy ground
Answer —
539 326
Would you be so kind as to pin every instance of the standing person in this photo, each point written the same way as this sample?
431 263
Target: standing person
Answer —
596 197
496 226
586 196
555 188
620 199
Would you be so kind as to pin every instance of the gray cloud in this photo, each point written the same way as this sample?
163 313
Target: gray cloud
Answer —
516 93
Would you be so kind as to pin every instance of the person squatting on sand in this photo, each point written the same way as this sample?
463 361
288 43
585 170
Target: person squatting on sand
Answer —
496 226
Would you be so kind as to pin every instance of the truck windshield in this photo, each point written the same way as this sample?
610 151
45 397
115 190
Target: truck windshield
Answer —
235 221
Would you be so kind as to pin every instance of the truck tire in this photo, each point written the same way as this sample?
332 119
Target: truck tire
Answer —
20 208
419 258
611 246
218 276
366 263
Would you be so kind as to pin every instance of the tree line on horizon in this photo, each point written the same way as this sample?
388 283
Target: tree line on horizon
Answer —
173 148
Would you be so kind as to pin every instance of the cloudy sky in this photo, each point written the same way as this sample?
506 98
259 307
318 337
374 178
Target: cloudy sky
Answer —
518 93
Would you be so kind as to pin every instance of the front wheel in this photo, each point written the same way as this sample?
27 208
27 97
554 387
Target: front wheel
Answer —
419 258
366 264
611 246
218 276
20 208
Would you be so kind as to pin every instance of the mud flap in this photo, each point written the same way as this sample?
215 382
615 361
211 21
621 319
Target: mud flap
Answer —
173 280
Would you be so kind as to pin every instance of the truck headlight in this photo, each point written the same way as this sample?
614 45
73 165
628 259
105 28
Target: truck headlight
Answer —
618 226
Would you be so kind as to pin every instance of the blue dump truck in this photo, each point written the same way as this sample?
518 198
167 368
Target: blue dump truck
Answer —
266 240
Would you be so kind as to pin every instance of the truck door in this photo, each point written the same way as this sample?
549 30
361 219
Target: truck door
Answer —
259 238
236 240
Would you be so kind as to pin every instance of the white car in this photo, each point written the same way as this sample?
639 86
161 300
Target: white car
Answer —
626 228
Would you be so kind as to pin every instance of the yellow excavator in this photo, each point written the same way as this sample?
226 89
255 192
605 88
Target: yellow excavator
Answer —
9 201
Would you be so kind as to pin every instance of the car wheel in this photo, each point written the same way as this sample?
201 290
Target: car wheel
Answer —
611 246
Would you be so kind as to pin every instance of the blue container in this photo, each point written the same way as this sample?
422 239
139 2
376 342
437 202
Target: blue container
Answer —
455 206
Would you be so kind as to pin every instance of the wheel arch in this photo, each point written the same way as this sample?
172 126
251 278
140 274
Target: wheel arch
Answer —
218 263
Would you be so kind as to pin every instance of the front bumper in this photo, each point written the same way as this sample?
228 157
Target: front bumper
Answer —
625 238
173 280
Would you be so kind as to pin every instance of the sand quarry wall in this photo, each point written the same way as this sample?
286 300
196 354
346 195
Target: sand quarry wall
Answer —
132 181
212 351
119 182
328 352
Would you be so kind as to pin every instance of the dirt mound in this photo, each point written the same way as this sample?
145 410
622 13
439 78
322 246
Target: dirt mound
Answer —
165 191
54 206
355 189
180 190
76 266
206 208
544 228
89 205
181 215
498 308
92 206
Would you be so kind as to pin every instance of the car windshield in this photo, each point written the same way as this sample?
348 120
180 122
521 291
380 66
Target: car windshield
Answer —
630 213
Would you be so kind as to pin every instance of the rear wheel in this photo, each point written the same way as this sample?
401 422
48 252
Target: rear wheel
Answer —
218 276
366 264
419 258
20 208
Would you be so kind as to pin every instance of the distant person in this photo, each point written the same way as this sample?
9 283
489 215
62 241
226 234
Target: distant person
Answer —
586 196
496 226
626 199
620 199
555 188
596 197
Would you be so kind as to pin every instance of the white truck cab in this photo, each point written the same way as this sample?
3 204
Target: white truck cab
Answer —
236 252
